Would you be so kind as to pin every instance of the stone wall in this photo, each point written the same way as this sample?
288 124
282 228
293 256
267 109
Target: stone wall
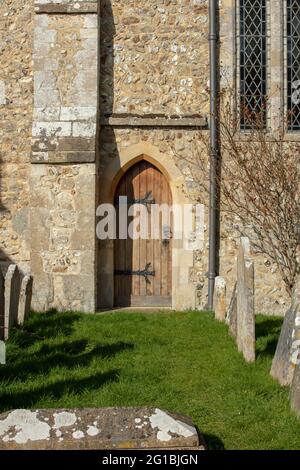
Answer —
63 155
154 65
154 56
154 62
16 96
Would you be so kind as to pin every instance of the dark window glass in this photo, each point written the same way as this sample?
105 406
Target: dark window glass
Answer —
253 63
293 64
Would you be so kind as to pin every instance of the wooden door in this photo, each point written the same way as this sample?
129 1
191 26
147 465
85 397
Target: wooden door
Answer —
143 267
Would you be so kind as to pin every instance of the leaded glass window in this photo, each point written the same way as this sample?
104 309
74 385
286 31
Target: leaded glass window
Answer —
253 63
293 64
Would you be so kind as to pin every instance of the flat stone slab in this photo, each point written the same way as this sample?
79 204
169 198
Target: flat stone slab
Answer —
96 429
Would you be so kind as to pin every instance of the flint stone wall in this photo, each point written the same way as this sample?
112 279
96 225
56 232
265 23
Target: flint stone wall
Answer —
154 63
16 108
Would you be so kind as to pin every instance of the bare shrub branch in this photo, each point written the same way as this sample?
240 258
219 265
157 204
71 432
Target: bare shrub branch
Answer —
260 185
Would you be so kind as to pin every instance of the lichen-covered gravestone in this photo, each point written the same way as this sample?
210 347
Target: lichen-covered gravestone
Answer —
2 353
295 392
245 302
283 365
231 316
220 299
12 295
106 428
1 306
295 389
25 299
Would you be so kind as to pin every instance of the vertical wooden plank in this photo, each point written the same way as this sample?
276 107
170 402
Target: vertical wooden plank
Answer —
150 243
169 293
127 254
164 247
134 255
143 245
120 281
157 243
135 243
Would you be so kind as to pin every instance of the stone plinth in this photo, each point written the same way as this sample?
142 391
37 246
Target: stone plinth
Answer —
108 428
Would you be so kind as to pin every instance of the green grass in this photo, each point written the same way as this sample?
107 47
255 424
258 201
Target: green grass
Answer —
183 362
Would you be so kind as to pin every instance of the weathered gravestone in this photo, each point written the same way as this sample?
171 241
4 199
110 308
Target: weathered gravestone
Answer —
220 298
2 352
1 306
295 389
11 295
283 366
245 302
107 428
25 299
231 317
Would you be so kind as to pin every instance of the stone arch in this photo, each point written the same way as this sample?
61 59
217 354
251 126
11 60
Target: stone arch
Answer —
183 291
131 155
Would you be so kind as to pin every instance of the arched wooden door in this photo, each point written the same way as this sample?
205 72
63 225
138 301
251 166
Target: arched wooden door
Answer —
143 267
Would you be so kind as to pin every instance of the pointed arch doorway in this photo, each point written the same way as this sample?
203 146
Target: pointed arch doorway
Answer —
143 266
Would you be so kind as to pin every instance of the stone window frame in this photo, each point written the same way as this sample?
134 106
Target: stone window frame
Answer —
236 48
289 134
277 70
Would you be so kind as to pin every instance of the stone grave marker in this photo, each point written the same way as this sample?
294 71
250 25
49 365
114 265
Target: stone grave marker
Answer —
245 302
295 391
220 299
25 299
283 368
12 294
1 306
107 428
2 353
231 317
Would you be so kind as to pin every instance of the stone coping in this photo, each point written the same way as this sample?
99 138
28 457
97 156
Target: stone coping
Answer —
97 429
154 121
63 8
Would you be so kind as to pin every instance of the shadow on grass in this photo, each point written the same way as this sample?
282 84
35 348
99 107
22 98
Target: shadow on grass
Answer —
42 326
39 356
267 335
69 355
29 398
213 442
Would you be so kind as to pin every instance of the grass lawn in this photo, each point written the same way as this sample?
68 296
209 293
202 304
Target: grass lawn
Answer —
183 362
